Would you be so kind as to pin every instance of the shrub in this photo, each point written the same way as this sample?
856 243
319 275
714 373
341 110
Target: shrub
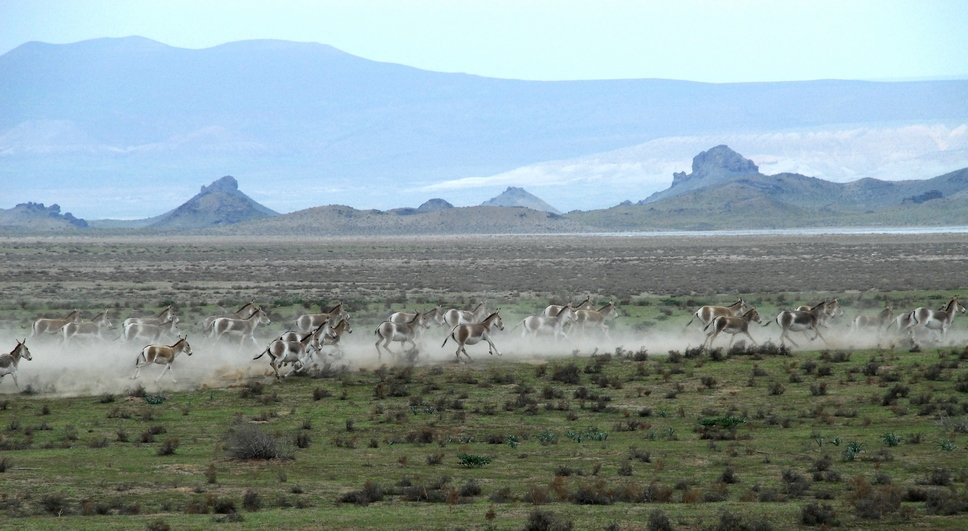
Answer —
224 506
818 389
594 493
251 389
643 456
210 474
891 396
731 522
546 521
470 488
815 514
873 502
502 495
657 493
473 460
795 485
251 501
371 492
891 439
568 374
728 476
658 521
158 525
55 504
249 441
547 437
946 502
302 440
938 476
852 450
168 447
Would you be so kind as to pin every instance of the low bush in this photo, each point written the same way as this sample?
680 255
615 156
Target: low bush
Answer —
249 441
546 521
816 514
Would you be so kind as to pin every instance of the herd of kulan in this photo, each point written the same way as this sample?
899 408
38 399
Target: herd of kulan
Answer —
312 332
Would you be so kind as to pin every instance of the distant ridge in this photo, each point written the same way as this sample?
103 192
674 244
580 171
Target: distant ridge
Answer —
727 191
431 205
37 217
724 191
519 197
307 115
220 203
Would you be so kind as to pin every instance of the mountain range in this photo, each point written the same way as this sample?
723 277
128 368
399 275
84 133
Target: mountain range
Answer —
310 125
723 190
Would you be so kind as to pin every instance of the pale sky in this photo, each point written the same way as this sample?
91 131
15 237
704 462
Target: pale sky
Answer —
697 40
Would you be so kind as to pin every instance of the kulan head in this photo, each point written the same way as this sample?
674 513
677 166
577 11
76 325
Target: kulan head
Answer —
22 347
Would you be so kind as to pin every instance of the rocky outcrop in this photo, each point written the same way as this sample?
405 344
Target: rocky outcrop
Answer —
35 216
219 203
717 165
519 197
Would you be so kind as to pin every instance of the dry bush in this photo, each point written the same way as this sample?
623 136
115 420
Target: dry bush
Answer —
946 502
815 514
168 447
657 493
251 501
658 521
567 374
371 492
249 441
873 502
546 521
536 495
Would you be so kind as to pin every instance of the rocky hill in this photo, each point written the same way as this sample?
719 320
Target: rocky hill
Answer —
727 191
430 205
220 203
35 217
724 190
519 197
341 220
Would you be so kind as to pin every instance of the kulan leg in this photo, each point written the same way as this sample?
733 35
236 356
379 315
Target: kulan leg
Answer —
492 347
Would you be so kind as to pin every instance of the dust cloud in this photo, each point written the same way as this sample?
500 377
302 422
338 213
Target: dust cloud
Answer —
98 367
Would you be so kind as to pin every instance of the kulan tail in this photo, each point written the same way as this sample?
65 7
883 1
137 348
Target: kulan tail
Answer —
448 336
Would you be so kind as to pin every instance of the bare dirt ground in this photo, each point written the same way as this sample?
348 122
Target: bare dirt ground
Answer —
50 276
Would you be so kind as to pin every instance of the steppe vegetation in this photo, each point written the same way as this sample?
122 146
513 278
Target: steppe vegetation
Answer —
651 433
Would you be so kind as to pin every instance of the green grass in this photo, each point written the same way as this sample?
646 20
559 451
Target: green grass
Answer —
631 436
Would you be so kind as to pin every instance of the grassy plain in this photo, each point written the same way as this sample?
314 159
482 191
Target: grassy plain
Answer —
647 430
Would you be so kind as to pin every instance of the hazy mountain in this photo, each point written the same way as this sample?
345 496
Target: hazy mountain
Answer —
430 205
35 217
837 153
726 190
519 197
348 221
220 203
125 114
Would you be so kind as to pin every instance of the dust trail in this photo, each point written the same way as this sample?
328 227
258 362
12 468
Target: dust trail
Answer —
93 368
